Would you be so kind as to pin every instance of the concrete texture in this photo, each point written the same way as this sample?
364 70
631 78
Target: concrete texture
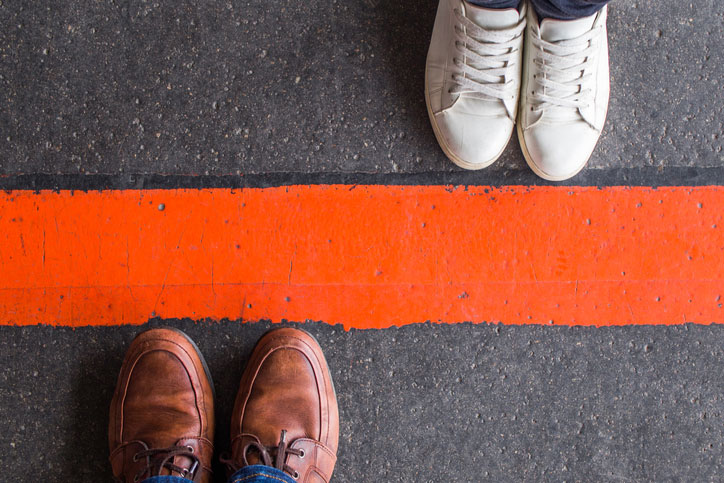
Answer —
168 94
248 87
423 403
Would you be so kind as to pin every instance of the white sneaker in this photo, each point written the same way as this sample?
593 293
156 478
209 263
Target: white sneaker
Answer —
472 80
565 92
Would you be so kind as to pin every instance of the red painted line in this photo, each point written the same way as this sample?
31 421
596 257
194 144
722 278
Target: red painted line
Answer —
365 256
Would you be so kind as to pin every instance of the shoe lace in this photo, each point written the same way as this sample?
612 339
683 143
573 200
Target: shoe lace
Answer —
487 58
279 451
159 458
564 71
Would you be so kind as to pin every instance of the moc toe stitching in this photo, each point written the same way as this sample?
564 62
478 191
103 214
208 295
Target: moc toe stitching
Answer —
170 356
287 372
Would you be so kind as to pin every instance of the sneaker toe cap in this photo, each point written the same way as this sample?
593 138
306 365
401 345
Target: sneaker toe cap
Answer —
558 152
472 141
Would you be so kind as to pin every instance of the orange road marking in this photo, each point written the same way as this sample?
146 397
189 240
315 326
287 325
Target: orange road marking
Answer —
364 256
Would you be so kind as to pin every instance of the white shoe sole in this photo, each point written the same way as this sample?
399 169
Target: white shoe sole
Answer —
446 149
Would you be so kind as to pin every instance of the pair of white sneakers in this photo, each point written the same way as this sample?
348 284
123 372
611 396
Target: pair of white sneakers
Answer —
487 69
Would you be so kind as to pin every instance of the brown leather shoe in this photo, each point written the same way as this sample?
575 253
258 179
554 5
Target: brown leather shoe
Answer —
162 413
286 413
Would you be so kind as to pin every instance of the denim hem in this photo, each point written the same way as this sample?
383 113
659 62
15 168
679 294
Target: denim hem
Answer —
555 9
166 479
260 474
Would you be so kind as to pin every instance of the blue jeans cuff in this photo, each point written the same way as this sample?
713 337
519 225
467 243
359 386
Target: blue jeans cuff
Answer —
166 479
260 474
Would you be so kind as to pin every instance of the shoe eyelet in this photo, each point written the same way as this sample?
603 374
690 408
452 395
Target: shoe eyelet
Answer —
135 478
135 457
302 454
295 475
190 448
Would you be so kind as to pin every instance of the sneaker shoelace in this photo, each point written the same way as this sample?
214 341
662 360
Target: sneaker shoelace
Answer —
564 70
485 59
280 452
158 459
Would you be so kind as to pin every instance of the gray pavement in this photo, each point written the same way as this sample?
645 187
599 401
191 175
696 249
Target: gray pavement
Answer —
331 90
423 403
248 87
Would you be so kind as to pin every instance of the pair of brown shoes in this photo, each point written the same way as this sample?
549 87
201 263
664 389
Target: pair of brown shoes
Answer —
162 413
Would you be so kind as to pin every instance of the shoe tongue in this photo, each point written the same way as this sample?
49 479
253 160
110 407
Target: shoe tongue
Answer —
492 18
552 30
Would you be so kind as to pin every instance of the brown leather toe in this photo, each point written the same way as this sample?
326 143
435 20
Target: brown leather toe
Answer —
286 412
162 412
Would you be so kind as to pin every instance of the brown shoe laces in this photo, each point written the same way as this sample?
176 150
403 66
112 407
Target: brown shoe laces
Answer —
280 452
159 458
